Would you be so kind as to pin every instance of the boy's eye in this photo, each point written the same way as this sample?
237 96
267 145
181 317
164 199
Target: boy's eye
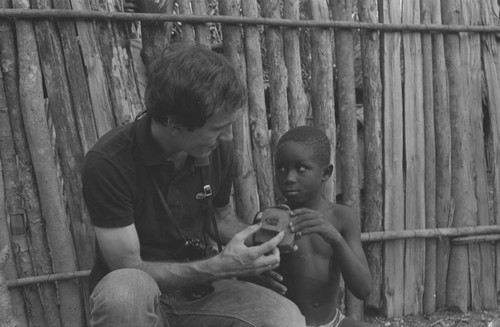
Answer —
301 169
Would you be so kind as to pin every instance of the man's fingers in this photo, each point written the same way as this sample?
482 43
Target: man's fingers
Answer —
244 234
270 246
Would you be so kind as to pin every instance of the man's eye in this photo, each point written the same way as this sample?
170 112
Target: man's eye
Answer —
302 169
281 170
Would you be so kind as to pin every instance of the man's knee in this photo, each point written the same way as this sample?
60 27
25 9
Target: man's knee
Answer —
125 286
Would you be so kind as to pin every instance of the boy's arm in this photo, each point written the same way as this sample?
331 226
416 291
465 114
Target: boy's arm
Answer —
349 253
346 244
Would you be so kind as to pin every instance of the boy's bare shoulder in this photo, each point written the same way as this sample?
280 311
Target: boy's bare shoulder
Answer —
339 215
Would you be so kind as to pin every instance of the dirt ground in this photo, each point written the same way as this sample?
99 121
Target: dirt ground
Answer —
441 319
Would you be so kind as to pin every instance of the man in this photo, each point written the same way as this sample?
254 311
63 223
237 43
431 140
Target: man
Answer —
157 190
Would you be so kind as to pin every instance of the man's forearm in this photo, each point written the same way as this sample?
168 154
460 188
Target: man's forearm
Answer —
175 275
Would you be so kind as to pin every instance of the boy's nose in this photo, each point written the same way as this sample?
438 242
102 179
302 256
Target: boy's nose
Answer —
226 134
290 177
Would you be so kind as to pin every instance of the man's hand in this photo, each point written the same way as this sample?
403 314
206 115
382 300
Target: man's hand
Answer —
237 259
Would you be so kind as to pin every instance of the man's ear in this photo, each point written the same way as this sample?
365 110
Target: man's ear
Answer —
172 124
327 172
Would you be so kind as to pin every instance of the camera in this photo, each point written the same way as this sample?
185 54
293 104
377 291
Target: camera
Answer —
274 220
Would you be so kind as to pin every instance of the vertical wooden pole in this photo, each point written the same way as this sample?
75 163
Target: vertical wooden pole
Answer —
298 102
393 162
261 149
155 35
202 32
98 86
322 87
414 159
372 109
444 204
16 216
491 68
7 319
245 184
39 249
429 294
482 276
187 29
12 307
349 155
462 185
278 76
45 167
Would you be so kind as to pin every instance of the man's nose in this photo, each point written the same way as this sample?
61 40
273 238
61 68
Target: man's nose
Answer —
226 134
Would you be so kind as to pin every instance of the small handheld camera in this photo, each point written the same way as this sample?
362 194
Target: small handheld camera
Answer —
274 220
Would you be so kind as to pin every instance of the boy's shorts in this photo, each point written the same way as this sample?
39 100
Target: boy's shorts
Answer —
335 322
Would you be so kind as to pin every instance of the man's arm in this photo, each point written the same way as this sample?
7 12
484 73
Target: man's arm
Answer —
121 249
229 223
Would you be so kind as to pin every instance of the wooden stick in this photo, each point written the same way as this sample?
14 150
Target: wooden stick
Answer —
7 319
476 239
322 86
372 127
259 131
394 210
414 163
245 184
429 233
47 278
442 124
298 103
429 295
194 19
493 233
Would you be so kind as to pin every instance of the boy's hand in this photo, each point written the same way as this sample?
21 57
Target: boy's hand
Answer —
269 279
306 221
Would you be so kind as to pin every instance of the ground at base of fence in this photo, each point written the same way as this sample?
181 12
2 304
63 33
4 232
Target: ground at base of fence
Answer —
441 319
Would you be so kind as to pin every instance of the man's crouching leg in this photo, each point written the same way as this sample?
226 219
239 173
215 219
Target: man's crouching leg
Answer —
125 297
236 303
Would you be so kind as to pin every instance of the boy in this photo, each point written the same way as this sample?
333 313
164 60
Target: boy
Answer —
328 235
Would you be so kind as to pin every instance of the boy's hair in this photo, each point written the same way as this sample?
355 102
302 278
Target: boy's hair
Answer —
191 83
311 137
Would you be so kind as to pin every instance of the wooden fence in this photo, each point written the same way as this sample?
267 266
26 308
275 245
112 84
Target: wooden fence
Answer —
417 155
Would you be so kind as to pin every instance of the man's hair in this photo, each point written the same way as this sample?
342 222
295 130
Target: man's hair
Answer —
191 83
311 137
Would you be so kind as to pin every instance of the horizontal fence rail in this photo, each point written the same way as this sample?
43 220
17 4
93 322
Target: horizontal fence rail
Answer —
471 234
195 19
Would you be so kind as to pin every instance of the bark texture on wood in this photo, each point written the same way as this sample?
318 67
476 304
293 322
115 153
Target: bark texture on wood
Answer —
414 160
393 162
298 103
245 184
322 86
444 204
348 126
429 293
259 129
462 185
373 165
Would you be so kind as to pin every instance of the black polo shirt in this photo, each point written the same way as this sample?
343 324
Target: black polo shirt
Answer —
119 191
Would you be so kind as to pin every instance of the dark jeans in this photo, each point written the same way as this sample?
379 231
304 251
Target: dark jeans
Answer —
130 297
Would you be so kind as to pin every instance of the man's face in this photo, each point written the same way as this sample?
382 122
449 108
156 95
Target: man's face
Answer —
200 142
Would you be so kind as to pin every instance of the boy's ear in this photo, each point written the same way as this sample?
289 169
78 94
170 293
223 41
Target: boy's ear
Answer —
327 172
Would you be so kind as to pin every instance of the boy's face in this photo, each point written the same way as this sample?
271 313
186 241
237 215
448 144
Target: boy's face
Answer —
298 173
